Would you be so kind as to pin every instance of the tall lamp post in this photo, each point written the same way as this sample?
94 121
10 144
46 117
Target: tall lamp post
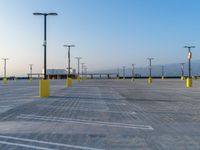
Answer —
117 73
69 79
189 78
69 61
44 84
5 77
163 72
78 59
78 77
133 72
182 71
82 68
150 80
31 71
85 68
124 72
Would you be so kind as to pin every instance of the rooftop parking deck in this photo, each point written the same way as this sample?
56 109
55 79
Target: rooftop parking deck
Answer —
101 114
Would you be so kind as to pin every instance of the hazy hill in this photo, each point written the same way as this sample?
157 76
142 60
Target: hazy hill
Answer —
170 69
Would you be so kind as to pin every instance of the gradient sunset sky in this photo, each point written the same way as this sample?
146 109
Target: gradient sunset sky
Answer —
107 33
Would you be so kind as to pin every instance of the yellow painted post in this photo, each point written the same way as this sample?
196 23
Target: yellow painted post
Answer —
5 81
189 82
69 82
78 79
44 88
133 79
182 78
150 80
162 77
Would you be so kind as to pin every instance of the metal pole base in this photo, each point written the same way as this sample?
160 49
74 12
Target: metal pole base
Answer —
69 82
182 78
189 82
44 88
150 80
78 79
5 81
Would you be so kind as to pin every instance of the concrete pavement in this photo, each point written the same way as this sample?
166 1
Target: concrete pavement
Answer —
100 114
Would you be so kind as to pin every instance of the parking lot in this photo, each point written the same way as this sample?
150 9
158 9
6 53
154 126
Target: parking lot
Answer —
100 114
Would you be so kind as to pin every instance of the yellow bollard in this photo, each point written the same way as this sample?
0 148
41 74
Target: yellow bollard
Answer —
69 82
150 80
5 81
189 82
133 79
44 88
182 78
78 79
162 77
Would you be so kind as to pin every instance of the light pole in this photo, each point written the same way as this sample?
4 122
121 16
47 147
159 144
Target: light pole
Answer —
85 67
78 77
82 67
189 79
31 69
5 78
150 68
117 73
133 72
163 72
69 79
78 59
45 38
44 84
69 61
182 71
124 72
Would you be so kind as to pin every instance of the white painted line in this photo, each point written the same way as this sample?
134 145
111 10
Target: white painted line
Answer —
86 122
42 142
91 101
105 103
14 101
133 113
6 106
25 145
94 102
86 110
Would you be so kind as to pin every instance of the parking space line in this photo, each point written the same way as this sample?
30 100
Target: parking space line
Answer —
85 122
87 110
25 145
40 142
106 103
92 102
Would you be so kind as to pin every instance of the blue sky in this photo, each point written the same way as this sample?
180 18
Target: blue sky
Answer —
107 33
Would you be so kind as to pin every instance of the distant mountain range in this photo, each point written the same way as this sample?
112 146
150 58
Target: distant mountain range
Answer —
169 69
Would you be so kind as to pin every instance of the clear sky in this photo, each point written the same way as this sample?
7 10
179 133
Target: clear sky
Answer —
107 33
